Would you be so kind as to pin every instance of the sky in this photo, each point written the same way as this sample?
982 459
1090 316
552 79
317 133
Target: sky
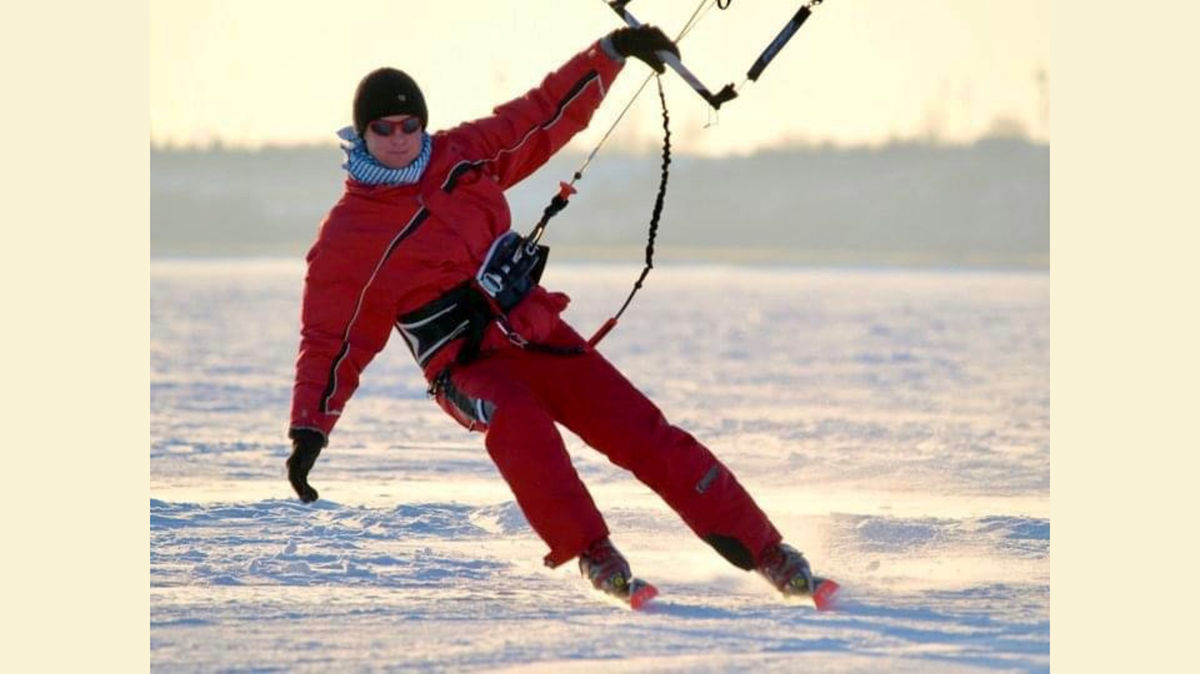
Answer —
860 72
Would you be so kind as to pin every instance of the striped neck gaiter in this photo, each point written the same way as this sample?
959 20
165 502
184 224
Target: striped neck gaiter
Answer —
366 169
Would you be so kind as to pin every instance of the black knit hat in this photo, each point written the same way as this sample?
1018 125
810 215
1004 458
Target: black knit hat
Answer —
384 92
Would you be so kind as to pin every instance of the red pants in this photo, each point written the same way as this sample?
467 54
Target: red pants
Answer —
515 396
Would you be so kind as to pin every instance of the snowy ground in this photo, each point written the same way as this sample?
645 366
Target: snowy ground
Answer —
894 424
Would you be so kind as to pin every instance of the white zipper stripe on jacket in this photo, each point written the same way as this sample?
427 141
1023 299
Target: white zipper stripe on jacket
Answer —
591 76
358 308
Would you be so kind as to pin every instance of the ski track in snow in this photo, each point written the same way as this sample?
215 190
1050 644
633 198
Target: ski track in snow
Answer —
894 424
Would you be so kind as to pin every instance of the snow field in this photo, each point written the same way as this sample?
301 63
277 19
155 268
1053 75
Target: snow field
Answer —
894 424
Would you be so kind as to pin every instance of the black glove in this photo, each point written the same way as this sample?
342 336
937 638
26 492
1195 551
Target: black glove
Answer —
306 447
641 43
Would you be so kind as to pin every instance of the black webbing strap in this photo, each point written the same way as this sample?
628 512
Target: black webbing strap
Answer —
559 202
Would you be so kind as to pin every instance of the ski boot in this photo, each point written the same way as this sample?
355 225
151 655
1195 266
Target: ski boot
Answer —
604 566
786 568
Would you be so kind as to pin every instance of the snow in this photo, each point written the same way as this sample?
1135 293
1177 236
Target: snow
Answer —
894 424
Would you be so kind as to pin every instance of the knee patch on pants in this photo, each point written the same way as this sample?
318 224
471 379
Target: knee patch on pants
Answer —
733 550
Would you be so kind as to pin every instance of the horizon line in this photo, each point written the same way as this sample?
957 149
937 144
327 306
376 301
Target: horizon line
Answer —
222 145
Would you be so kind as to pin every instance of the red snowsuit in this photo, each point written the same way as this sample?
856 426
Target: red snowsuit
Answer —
384 251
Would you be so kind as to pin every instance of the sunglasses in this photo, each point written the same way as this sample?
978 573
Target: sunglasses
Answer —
384 127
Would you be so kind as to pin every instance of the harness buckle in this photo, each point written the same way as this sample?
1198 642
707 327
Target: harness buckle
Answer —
492 283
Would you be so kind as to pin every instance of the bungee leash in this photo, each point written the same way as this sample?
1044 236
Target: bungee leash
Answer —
727 93
659 199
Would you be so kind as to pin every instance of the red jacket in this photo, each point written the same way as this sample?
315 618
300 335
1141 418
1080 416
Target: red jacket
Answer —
383 251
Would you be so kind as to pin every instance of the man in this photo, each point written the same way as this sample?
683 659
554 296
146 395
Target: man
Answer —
421 240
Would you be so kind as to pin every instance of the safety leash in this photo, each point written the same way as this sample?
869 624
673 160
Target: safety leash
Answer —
659 199
724 95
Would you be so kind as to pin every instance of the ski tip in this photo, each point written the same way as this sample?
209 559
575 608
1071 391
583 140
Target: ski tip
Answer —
640 594
825 596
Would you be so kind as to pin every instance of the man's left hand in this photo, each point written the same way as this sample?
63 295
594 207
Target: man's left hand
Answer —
642 43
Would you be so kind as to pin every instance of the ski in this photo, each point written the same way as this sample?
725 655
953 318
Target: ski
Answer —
640 593
635 594
824 595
